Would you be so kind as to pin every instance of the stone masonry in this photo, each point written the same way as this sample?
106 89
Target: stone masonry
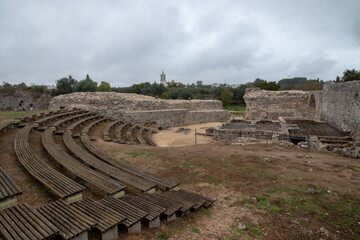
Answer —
338 104
139 108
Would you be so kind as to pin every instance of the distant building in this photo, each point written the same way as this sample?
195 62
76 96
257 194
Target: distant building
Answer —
166 84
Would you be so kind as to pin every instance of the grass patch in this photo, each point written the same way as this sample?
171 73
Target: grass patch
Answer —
12 114
195 230
256 231
163 236
204 211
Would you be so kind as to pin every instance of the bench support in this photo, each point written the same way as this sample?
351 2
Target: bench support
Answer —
8 202
136 228
74 198
110 234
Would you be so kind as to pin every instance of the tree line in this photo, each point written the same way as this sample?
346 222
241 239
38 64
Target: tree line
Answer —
228 95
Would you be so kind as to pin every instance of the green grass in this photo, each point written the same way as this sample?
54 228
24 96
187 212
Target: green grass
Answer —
12 114
195 230
235 108
164 236
255 231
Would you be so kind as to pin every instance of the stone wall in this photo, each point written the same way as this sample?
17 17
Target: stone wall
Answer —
10 101
140 108
337 103
275 104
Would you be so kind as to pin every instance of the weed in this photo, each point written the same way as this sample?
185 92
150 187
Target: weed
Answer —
262 172
164 236
351 166
143 153
187 163
204 211
255 231
204 164
195 230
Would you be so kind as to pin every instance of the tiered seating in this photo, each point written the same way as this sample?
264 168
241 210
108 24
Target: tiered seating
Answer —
23 222
163 182
133 215
8 124
148 136
121 175
71 222
154 211
47 119
59 184
97 179
108 220
8 191
107 129
118 133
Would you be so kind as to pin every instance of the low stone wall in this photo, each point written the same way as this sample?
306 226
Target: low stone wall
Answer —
10 101
140 108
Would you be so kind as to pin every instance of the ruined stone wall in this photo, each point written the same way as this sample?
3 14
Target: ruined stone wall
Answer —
10 101
339 105
275 104
140 108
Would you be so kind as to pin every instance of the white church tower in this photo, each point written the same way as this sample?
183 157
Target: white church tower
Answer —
163 78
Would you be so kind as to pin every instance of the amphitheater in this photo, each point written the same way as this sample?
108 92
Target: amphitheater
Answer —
75 189
131 198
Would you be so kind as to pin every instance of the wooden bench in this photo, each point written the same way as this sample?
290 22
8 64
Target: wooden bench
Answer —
197 197
107 129
8 191
133 215
59 184
44 120
108 219
120 175
91 176
129 134
23 222
88 127
148 136
72 223
118 133
153 210
186 204
61 122
8 124
140 137
170 206
76 124
163 182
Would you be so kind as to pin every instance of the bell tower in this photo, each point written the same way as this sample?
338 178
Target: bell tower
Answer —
163 78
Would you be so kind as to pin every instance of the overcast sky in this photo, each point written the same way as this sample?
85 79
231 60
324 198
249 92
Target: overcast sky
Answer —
127 42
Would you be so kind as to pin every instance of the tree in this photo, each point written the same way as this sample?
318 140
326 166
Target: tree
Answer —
226 97
65 85
350 75
174 93
271 86
199 83
104 87
86 85
186 94
337 79
258 81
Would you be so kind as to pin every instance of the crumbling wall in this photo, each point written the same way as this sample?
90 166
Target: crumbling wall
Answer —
274 104
340 106
140 108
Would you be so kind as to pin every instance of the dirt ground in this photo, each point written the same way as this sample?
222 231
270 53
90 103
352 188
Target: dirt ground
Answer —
274 191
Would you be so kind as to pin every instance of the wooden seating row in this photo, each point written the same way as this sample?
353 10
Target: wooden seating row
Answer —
107 129
8 191
63 121
22 222
8 124
163 182
91 176
71 222
120 175
56 182
45 120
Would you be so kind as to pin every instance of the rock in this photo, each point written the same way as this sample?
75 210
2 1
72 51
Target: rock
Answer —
312 191
241 226
324 231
